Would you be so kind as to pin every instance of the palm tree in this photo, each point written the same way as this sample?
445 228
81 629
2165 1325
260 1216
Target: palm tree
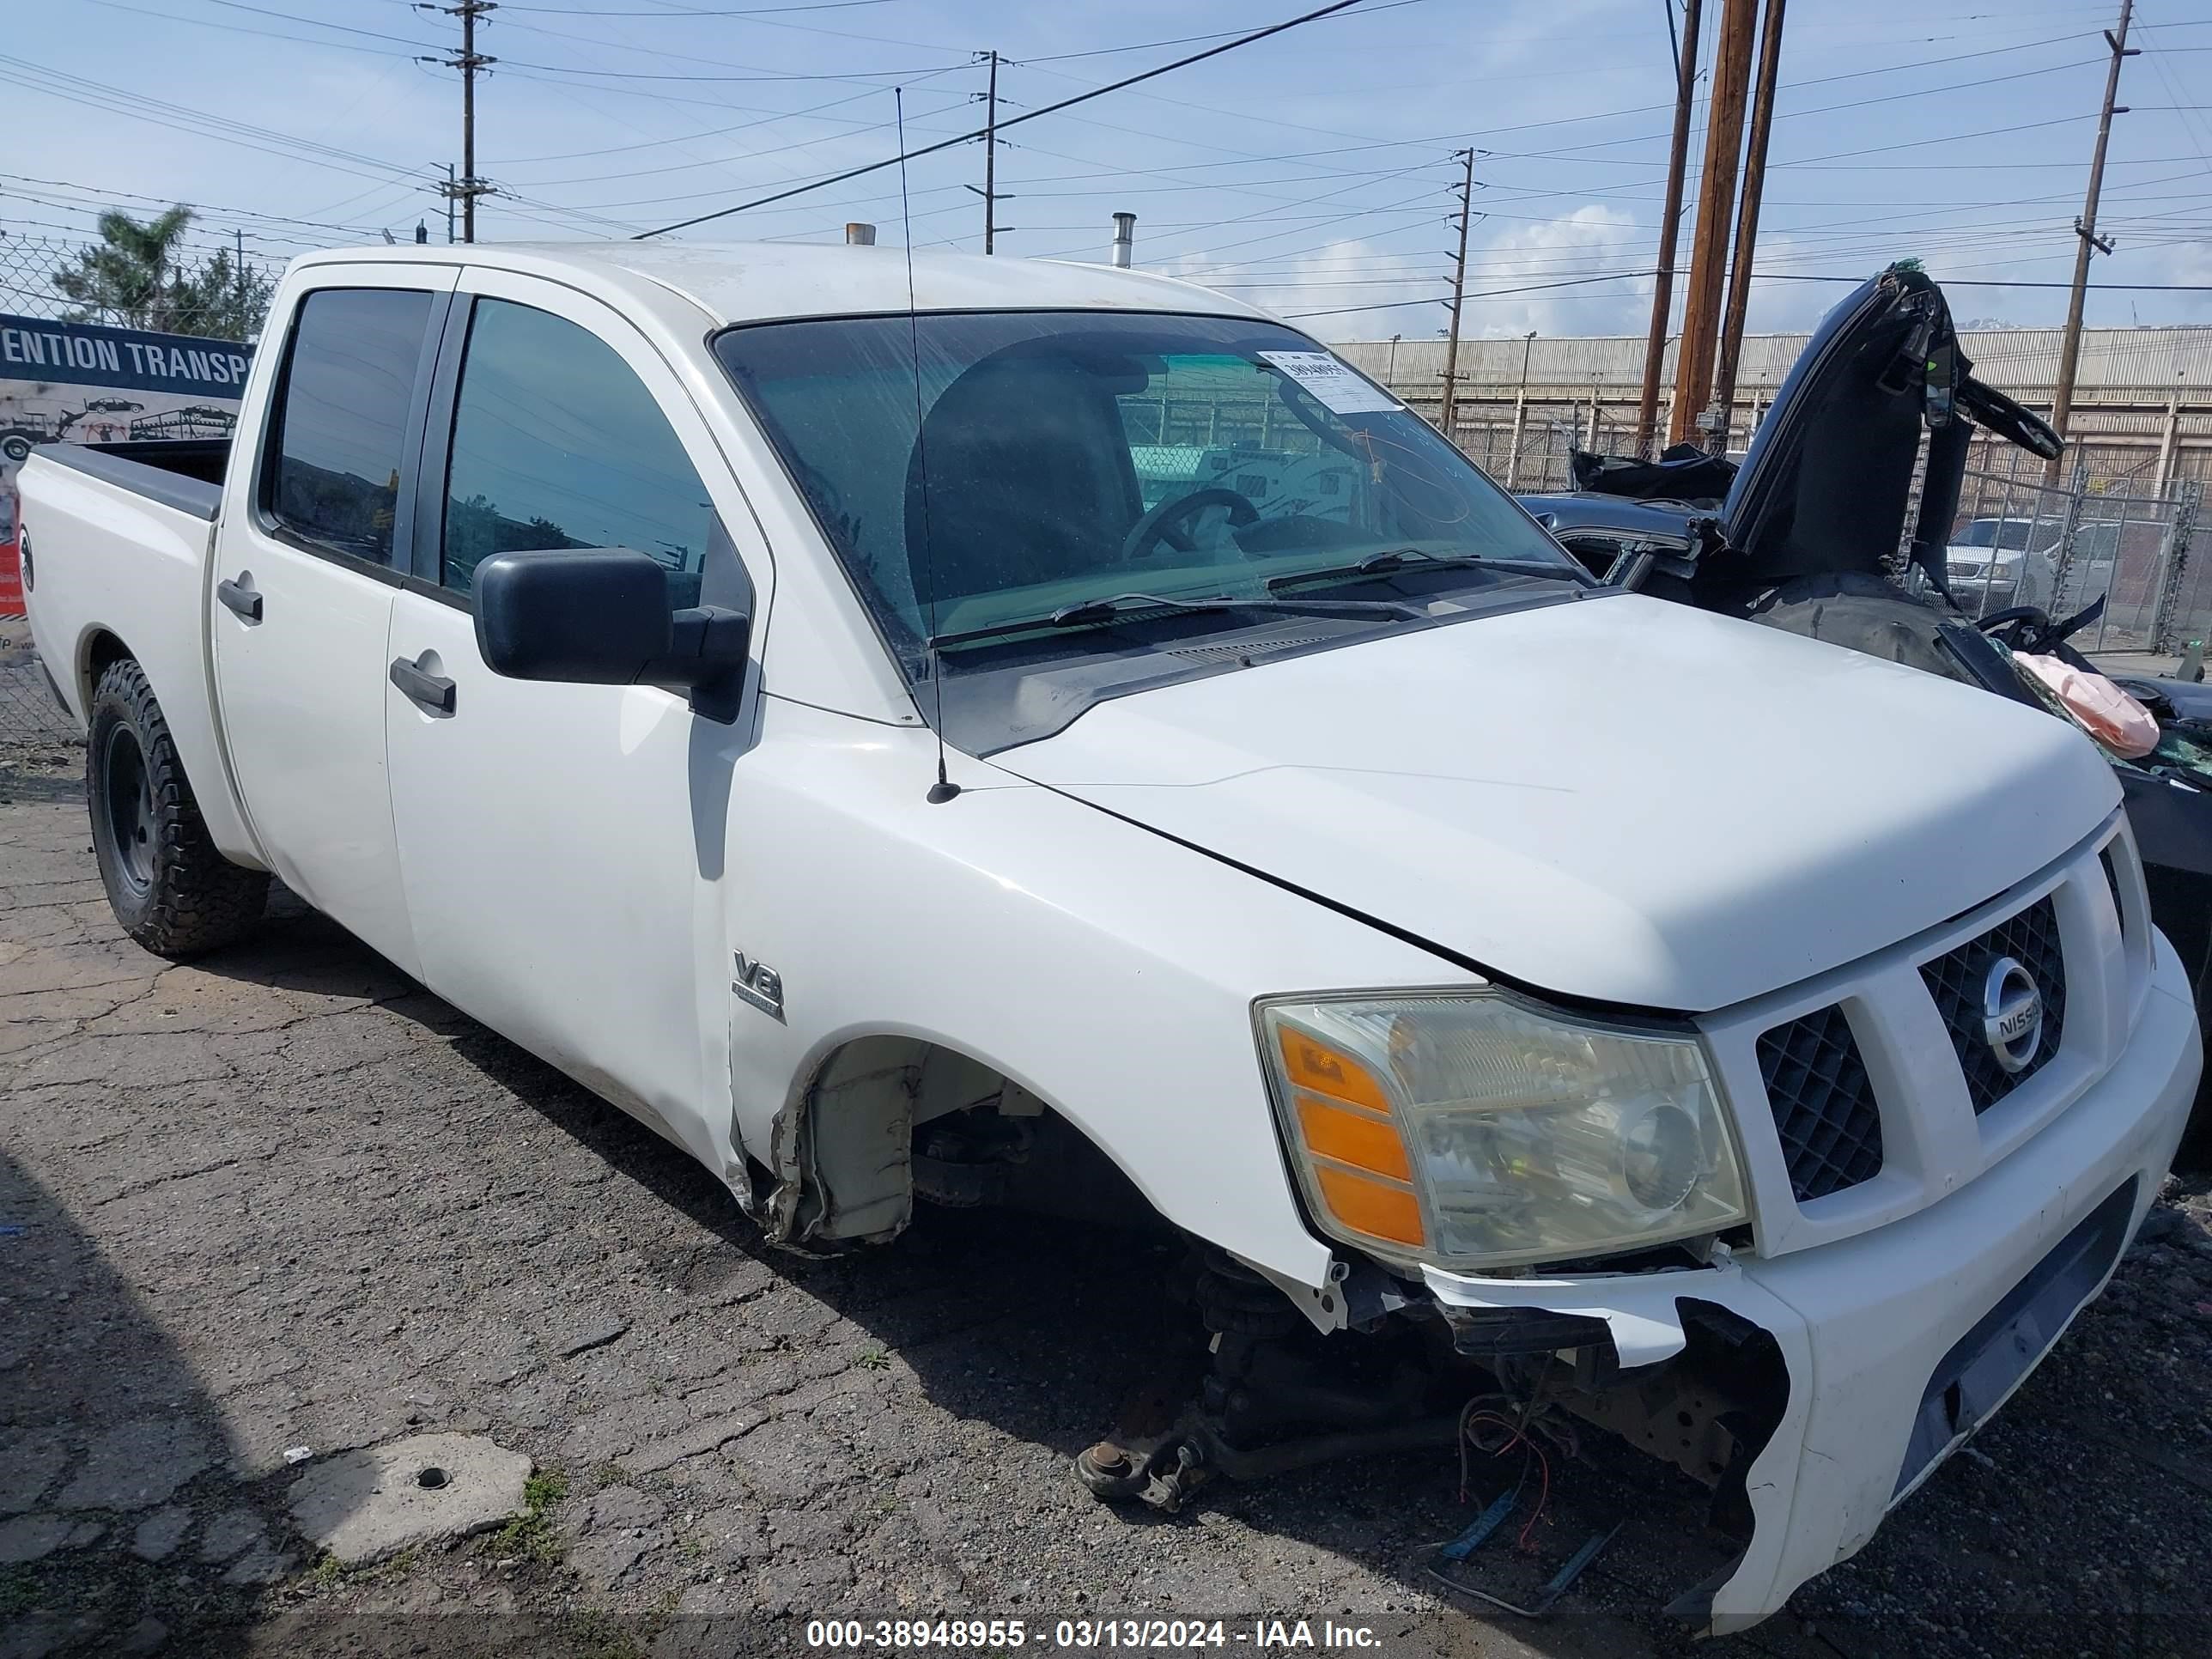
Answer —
132 276
136 278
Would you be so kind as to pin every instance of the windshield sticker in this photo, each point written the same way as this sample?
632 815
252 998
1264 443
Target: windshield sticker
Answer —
1332 382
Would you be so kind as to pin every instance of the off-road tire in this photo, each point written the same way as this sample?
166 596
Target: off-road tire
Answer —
170 889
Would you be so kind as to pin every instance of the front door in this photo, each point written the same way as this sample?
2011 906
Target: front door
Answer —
561 844
307 561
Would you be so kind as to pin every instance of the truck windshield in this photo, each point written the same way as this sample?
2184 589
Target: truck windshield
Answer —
1017 464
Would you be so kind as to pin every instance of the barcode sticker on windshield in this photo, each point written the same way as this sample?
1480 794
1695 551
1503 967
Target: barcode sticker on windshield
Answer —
1332 383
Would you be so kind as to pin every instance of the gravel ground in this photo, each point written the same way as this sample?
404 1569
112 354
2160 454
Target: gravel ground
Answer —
285 1198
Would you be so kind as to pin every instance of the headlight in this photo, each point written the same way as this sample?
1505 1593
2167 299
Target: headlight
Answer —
1476 1130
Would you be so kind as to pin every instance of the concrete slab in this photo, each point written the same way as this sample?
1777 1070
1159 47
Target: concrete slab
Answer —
368 1504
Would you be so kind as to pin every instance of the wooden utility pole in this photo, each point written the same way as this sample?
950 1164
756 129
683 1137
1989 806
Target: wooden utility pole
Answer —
1701 310
468 61
1747 224
1670 219
2085 229
1459 295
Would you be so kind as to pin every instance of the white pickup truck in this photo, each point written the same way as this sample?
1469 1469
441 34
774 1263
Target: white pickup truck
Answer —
869 723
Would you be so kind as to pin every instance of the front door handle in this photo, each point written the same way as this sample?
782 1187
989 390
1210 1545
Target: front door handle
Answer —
434 691
239 596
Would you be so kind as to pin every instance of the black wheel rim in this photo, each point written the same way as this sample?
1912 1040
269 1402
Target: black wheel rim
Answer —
129 804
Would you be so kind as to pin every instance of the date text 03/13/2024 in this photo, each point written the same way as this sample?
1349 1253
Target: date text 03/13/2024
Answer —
1001 1634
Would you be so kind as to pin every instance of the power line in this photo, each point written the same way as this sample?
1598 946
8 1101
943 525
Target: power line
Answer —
905 154
1490 294
106 195
291 17
1968 282
267 34
860 76
139 106
702 11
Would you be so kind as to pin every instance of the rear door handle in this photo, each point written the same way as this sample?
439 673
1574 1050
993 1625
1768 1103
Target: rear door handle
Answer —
239 596
434 691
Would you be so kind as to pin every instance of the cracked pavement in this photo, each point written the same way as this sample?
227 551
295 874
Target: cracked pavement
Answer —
285 1198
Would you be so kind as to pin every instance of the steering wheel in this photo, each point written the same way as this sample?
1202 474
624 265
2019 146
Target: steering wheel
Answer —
1165 522
2022 627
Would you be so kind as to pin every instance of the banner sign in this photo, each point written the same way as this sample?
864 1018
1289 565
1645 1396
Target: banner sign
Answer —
127 359
86 383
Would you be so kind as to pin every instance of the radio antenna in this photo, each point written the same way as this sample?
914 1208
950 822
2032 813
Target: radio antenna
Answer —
943 789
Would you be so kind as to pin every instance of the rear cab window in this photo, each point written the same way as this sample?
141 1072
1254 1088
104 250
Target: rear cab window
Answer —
331 477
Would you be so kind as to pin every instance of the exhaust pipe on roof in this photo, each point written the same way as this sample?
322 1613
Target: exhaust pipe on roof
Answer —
1125 238
860 235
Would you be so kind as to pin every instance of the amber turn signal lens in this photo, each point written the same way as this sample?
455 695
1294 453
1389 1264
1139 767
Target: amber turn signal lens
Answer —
1376 1208
1310 1063
1353 1138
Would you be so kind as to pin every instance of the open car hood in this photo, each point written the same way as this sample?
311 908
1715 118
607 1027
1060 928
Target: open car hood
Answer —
1826 483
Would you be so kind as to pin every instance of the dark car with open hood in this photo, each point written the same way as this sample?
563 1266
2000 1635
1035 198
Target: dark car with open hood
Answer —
1811 535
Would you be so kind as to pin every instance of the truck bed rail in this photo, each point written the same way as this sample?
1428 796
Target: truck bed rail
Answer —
198 496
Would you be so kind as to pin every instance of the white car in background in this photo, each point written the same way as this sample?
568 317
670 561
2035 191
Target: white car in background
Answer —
1994 563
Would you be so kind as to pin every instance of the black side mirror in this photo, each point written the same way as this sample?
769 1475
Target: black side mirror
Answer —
600 615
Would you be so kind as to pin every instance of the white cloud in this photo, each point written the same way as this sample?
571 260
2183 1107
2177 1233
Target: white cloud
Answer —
1345 278
1591 240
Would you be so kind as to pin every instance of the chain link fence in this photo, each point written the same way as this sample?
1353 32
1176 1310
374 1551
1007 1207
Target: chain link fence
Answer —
2021 540
198 289
1530 455
37 737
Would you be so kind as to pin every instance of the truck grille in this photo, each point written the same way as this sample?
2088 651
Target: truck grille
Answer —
1823 1107
1955 980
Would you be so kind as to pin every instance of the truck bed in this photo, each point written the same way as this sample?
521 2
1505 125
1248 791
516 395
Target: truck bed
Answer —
118 543
184 473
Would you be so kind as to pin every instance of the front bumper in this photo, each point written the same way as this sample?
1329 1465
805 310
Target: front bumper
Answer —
1864 1324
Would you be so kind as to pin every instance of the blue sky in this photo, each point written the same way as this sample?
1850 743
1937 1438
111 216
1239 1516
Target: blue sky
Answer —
1311 171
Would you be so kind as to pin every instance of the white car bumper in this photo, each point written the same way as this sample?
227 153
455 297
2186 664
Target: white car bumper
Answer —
1899 1341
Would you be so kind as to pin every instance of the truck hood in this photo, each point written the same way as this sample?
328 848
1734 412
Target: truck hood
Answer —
1618 798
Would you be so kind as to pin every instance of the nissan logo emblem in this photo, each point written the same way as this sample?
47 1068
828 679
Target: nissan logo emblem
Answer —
2012 1013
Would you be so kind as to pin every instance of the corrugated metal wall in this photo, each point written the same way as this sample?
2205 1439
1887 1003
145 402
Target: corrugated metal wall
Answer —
2017 361
2142 404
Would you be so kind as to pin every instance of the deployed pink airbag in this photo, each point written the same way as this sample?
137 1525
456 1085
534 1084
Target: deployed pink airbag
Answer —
2107 712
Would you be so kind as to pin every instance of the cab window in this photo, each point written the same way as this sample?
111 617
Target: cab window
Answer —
340 427
557 443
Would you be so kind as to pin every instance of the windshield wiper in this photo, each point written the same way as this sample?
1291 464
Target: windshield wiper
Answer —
1105 613
1395 559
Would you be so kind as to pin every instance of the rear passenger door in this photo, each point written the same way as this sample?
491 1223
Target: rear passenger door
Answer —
562 844
311 549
